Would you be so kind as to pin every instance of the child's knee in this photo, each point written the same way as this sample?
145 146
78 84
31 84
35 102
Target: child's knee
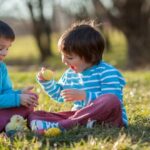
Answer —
114 102
109 101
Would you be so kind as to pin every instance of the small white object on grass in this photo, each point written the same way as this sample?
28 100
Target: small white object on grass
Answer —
90 123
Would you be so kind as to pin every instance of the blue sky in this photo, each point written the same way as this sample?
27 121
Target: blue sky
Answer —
14 8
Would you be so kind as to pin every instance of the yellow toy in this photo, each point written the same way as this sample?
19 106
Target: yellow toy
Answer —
17 123
52 132
47 74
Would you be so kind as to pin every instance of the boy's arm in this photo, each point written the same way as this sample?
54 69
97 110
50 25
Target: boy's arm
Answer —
9 100
53 89
6 82
111 83
8 97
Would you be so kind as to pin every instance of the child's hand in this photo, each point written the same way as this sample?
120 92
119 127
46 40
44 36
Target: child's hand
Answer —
27 89
28 100
45 74
72 95
39 75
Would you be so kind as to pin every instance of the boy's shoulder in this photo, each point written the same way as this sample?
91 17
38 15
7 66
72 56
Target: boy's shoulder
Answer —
2 64
106 66
108 69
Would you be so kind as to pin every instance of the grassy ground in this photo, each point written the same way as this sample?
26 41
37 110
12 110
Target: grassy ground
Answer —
136 99
135 137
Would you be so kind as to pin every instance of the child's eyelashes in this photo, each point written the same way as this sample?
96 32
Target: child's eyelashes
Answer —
69 57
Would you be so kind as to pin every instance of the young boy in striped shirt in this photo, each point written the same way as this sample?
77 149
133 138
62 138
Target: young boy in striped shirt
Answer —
94 86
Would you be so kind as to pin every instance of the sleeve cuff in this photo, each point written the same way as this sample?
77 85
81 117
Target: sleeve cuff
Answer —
88 98
18 99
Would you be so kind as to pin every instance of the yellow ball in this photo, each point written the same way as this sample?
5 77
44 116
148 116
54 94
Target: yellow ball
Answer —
52 132
47 74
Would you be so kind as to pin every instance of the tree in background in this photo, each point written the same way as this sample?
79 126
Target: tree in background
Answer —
41 28
129 16
132 18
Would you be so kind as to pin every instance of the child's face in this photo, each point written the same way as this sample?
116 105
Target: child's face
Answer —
4 46
75 62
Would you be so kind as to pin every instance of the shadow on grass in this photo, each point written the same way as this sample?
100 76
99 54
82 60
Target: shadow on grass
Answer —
135 132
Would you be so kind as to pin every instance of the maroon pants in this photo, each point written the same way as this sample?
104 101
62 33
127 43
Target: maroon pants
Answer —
105 109
7 113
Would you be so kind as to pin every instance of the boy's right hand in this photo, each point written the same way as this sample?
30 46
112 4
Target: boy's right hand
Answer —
45 74
28 100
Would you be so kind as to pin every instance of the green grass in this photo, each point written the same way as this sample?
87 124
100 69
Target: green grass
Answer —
24 51
135 137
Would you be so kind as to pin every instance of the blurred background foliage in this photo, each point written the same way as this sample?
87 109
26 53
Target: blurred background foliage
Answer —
39 23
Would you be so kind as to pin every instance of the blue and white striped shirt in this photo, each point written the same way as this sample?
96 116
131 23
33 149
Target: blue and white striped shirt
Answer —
97 80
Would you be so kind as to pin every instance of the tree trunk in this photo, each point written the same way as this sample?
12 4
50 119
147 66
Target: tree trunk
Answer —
132 18
138 51
42 30
42 36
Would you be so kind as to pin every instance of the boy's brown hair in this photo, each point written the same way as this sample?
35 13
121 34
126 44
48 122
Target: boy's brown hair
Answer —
6 31
84 40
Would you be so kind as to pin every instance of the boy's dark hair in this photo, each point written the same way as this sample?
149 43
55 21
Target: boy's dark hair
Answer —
6 31
84 40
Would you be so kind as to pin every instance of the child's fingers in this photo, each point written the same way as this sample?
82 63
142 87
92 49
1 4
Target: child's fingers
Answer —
33 96
32 102
39 76
33 99
43 68
30 88
68 97
66 91
65 94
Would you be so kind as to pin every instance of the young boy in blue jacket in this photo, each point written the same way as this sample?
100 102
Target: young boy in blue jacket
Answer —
12 101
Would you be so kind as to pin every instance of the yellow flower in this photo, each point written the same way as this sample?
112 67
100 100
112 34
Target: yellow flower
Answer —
52 132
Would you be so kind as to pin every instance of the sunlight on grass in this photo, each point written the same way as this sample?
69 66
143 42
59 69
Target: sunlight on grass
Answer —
135 137
24 47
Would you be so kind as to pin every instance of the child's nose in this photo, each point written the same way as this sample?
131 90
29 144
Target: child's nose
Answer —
64 61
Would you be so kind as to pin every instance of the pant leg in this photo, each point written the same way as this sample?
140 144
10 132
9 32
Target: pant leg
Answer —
7 113
50 116
105 109
40 120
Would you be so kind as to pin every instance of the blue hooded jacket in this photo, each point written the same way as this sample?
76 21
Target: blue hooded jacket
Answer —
8 96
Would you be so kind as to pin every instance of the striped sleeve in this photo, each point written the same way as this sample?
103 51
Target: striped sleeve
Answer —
112 82
53 89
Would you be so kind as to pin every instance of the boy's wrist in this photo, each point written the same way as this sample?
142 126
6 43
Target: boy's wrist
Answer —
18 99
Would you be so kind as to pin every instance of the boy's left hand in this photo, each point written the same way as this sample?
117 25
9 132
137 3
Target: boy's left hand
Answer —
72 95
27 90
